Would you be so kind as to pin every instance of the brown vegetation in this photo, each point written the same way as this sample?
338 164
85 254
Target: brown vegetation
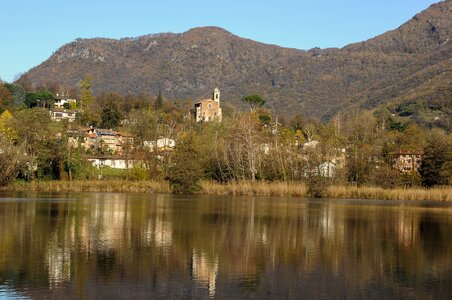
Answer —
417 194
239 188
249 188
113 185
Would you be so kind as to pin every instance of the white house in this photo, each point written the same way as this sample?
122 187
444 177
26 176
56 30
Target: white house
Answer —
58 114
59 103
327 169
310 145
112 162
162 144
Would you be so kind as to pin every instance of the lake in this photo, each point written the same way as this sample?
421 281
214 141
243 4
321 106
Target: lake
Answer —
144 246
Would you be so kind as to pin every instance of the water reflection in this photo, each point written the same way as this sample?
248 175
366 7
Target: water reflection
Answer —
205 270
142 246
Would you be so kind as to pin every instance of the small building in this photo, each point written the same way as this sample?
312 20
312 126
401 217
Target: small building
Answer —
162 144
112 162
60 114
208 110
60 103
95 139
113 140
327 169
407 161
310 145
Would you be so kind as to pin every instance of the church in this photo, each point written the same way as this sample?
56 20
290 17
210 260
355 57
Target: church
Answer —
208 110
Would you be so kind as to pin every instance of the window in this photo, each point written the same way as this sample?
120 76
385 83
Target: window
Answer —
210 105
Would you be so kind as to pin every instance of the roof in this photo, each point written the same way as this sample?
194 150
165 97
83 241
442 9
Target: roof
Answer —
409 152
204 100
63 110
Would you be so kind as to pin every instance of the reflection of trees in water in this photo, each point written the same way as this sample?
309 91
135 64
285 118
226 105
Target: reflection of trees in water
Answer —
160 238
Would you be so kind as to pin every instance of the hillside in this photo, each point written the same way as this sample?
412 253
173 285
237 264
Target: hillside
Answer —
410 64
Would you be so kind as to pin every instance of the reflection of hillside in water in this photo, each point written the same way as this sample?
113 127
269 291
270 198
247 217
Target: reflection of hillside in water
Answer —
164 245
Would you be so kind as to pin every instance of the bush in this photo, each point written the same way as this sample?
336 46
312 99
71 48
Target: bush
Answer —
185 172
138 173
317 186
387 177
13 161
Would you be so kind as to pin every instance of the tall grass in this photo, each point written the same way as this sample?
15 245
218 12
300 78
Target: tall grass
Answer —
110 185
249 188
239 188
418 194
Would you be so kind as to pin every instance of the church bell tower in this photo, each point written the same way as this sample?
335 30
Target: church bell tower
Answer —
216 96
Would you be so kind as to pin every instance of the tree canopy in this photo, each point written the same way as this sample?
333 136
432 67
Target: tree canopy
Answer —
255 101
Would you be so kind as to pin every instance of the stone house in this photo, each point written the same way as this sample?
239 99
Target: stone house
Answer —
208 110
113 140
94 139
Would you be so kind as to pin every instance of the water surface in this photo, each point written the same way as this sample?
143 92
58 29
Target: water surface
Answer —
141 246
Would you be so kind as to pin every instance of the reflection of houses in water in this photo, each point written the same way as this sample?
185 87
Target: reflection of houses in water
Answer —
332 223
205 270
109 225
112 220
407 227
58 263
159 230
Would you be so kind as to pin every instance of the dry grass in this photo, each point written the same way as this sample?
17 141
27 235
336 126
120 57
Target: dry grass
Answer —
416 194
112 185
240 188
248 188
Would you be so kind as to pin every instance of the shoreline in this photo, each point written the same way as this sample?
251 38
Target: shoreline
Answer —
242 188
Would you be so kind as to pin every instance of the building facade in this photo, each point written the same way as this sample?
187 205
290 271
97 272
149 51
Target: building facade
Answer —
407 162
60 114
101 140
208 110
70 103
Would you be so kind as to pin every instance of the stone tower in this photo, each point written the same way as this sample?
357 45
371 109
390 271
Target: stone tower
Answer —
216 96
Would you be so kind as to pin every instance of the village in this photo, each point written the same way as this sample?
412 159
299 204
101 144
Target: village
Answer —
109 148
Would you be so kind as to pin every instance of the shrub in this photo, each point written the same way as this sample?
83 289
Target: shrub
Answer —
317 186
185 172
138 172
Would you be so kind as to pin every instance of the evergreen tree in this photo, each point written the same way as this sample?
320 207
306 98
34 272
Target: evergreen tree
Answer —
158 104
86 97
255 101
111 115
185 172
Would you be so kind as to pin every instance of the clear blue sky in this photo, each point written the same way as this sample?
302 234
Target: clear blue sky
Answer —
32 30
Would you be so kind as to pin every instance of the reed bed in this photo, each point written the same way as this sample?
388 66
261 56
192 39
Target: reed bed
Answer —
111 185
414 194
258 188
239 188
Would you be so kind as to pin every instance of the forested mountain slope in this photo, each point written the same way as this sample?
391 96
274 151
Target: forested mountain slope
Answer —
410 65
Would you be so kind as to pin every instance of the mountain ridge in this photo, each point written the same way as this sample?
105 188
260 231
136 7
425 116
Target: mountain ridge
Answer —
316 82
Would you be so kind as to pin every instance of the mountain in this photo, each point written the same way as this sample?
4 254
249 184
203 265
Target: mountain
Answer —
410 63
